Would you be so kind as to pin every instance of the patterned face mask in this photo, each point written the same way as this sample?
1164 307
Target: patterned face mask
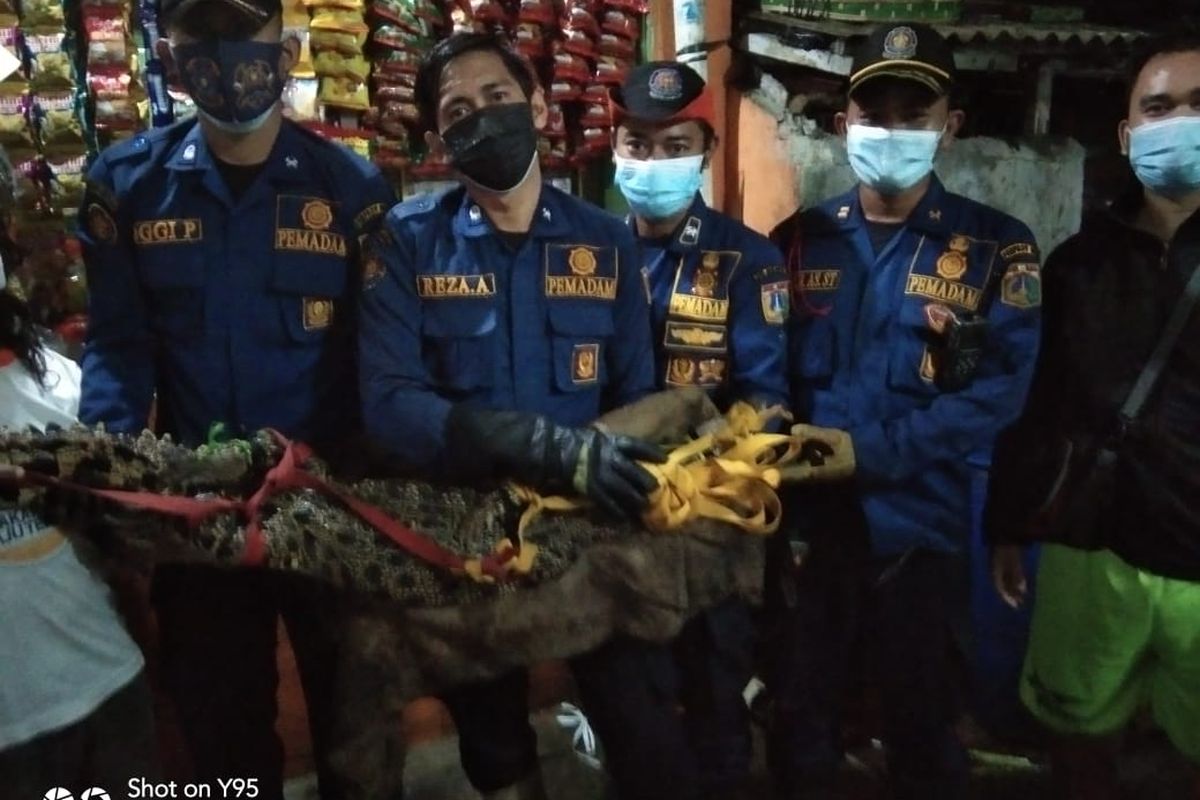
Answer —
236 84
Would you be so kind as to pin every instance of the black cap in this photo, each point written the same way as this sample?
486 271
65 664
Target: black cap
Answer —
660 91
255 12
905 50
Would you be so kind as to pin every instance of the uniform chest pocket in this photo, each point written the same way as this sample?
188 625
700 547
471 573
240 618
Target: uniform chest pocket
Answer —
307 290
458 342
812 349
911 365
580 333
174 279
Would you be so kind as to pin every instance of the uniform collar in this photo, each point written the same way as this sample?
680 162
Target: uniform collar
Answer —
930 216
288 161
549 221
687 235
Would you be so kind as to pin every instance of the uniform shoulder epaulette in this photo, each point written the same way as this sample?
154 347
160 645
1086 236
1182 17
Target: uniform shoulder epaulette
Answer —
415 206
142 145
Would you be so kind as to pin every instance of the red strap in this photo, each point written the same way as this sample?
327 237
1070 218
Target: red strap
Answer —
288 474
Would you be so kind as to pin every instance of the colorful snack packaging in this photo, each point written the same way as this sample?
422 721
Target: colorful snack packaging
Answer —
632 6
15 132
610 44
332 64
344 93
67 183
41 14
58 122
578 42
394 37
612 70
300 99
50 65
556 122
621 24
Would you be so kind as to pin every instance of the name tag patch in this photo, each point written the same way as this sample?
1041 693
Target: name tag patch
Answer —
167 231
303 225
818 280
943 291
436 286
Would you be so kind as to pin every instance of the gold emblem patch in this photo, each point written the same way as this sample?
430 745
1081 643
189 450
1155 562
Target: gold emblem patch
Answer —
584 361
316 215
928 368
372 270
705 282
1021 286
318 313
712 370
952 264
100 224
582 261
681 371
699 336
710 261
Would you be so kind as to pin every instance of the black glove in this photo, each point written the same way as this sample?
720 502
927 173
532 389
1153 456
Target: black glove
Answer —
530 449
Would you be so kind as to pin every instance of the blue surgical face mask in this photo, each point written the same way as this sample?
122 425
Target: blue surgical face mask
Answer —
235 84
891 161
659 189
1166 155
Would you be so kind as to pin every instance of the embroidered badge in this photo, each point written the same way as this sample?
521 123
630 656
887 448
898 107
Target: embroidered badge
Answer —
681 372
372 269
1026 250
316 215
441 286
935 215
843 213
368 215
691 231
318 313
952 264
928 370
581 271
665 84
900 43
712 371
701 337
1021 286
775 302
584 360
938 316
167 231
818 280
100 224
582 261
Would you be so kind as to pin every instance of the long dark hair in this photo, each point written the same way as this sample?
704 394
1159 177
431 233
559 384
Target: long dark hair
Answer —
19 334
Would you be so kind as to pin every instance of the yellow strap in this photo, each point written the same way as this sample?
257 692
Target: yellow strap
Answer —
729 476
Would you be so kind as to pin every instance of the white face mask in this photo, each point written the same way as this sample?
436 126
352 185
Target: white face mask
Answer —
891 161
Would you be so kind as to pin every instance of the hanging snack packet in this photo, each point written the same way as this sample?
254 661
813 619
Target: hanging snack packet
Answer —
50 65
344 93
568 66
530 40
610 44
58 122
42 14
67 183
16 135
345 5
331 64
622 24
578 16
612 70
579 43
397 62
556 123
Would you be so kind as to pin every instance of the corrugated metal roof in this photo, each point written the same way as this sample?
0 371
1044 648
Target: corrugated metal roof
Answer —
1062 34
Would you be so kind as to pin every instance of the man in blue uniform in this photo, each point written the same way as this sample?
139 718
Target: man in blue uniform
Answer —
221 259
719 303
498 321
915 328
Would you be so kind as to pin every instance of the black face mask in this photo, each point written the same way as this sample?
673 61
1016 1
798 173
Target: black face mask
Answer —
495 146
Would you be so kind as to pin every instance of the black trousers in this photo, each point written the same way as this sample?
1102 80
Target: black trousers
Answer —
901 615
714 659
217 631
629 692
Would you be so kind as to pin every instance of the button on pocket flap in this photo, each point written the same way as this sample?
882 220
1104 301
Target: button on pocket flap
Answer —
458 318
581 318
309 275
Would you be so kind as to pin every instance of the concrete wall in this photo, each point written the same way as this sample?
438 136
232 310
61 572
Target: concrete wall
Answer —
785 161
